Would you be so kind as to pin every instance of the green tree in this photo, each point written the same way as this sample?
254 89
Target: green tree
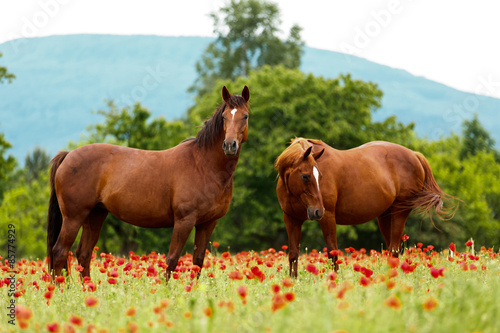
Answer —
247 38
287 103
476 139
4 74
7 165
133 127
25 206
36 163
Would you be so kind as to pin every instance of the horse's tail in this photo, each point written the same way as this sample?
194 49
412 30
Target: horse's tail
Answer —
54 220
431 196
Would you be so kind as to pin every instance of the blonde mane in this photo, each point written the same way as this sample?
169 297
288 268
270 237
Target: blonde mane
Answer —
293 153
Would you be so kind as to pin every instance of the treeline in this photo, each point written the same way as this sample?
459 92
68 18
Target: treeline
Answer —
285 103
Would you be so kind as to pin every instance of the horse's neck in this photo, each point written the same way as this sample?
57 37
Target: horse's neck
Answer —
221 165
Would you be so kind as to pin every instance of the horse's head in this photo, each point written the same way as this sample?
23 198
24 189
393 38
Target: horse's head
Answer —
302 180
235 116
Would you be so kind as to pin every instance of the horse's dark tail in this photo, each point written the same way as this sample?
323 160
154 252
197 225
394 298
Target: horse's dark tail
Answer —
54 220
430 198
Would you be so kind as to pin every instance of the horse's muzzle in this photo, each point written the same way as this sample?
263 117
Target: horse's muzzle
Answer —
230 147
314 213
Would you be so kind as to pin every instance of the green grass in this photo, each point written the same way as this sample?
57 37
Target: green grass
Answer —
467 300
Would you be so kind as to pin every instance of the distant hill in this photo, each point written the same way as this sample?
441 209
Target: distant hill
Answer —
60 79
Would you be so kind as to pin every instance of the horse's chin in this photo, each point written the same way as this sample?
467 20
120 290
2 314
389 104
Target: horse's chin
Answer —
230 154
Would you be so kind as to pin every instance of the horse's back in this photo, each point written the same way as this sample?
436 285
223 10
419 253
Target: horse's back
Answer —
129 183
363 182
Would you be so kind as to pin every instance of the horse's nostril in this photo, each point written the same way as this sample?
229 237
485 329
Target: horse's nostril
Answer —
224 145
234 145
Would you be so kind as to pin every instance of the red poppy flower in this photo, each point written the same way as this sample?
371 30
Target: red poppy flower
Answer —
235 275
284 247
437 272
287 282
133 327
278 302
275 288
405 237
393 302
312 269
23 313
469 243
60 279
91 301
290 296
48 294
215 244
112 281
76 320
242 291
364 281
131 311
452 247
390 284
53 327
407 268
430 304
207 311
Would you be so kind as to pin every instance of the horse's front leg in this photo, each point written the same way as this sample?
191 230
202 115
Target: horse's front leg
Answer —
201 238
182 229
293 229
329 228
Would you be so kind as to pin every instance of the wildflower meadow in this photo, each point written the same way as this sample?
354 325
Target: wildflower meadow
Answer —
423 290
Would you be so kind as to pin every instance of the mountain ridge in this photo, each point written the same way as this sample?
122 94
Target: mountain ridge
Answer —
60 79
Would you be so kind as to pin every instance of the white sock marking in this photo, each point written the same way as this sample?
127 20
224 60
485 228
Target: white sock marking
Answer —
233 112
316 176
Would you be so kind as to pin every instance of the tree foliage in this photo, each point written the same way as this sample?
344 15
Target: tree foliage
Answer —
25 206
7 164
247 38
476 139
36 163
5 75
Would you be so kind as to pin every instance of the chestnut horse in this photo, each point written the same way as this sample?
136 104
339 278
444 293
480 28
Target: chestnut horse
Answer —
376 180
185 187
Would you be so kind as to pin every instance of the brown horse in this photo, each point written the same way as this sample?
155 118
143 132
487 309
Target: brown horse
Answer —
376 180
185 187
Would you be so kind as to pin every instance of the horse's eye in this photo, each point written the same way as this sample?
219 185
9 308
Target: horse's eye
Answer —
245 117
305 177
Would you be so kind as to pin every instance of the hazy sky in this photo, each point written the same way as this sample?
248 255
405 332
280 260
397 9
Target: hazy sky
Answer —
454 42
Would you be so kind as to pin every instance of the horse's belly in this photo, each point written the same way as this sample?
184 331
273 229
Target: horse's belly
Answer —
146 221
349 212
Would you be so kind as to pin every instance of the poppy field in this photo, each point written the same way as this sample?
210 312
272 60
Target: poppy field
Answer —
422 291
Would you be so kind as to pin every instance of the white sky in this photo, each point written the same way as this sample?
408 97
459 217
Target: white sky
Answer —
454 42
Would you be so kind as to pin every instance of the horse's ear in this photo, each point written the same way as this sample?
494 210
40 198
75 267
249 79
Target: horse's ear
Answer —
318 155
245 94
308 151
225 94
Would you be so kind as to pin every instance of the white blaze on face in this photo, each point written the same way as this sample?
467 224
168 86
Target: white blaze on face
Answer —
233 112
316 176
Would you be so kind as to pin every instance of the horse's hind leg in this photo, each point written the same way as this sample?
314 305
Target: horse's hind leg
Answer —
67 236
392 226
90 235
384 224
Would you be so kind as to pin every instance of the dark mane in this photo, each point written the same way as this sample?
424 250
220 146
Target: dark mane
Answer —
213 127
